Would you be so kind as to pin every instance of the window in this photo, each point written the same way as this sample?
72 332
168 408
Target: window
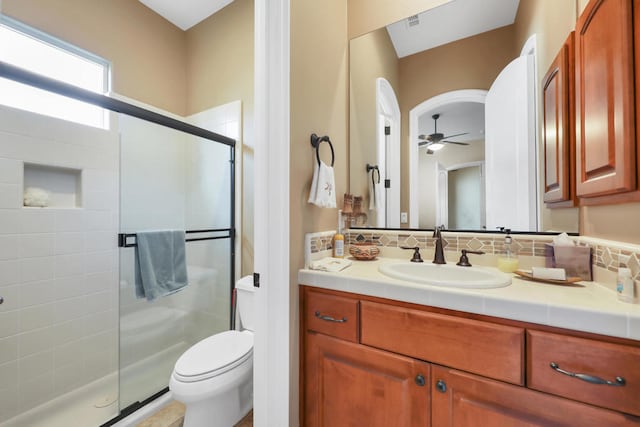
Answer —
35 51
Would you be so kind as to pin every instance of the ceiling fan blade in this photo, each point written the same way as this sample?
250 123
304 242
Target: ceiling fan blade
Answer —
458 134
421 143
425 137
457 143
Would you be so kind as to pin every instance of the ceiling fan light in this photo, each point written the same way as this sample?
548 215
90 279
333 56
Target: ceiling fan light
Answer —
436 146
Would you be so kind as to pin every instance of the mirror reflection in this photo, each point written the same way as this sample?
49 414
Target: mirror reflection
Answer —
444 103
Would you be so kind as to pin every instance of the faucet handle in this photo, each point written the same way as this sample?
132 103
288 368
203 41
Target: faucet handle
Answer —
464 260
416 253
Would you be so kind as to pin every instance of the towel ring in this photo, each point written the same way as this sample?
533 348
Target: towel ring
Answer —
315 143
374 169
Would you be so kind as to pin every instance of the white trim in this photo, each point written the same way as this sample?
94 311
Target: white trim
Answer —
388 157
271 215
463 95
529 47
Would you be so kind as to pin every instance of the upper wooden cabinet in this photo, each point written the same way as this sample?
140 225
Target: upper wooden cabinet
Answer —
558 92
605 102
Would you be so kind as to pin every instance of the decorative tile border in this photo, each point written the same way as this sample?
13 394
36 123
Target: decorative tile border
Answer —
607 254
489 243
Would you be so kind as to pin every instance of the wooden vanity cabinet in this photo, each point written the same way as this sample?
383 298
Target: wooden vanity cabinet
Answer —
558 131
606 169
461 399
421 366
351 384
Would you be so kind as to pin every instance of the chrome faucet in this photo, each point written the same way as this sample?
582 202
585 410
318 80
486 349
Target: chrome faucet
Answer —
438 257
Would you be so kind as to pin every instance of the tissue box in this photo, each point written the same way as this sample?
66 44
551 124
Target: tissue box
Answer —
576 260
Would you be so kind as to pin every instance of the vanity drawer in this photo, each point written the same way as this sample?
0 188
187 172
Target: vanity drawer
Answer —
332 315
606 361
488 349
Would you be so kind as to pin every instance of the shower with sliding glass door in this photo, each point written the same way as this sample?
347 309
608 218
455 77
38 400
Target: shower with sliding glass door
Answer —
77 345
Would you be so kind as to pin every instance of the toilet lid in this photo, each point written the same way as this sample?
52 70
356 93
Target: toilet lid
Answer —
214 355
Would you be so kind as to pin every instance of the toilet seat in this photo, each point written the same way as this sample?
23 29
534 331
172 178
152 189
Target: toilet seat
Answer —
214 356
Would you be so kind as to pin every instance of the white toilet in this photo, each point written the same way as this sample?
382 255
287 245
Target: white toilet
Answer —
214 378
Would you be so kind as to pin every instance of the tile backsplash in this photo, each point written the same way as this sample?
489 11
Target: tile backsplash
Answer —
609 255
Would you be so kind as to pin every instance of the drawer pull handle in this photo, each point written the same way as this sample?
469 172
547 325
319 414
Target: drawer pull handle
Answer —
329 318
441 386
588 378
420 380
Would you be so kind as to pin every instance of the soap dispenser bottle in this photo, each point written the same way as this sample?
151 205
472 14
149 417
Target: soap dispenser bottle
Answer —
508 258
338 239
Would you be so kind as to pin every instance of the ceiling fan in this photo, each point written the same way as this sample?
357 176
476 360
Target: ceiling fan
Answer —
436 140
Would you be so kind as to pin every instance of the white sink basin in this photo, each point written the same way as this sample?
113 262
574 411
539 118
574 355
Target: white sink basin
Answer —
449 275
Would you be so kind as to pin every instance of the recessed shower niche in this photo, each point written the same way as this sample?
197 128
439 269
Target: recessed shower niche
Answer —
51 186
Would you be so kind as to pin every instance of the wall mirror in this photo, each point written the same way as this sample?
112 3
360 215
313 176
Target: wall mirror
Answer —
432 99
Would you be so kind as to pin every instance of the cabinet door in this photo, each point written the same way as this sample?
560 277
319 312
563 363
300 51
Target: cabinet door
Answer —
465 400
349 384
605 103
558 129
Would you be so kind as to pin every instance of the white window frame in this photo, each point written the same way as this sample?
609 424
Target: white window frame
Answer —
56 43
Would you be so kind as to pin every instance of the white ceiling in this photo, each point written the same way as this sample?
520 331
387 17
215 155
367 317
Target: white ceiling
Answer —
184 14
456 118
449 22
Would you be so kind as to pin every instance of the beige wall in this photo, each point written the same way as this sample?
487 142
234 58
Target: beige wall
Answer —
370 56
219 60
471 63
219 69
147 52
319 104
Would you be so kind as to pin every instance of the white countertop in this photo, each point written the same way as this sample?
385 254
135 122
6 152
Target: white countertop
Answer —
589 307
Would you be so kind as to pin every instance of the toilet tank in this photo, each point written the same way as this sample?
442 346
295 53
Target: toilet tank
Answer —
245 301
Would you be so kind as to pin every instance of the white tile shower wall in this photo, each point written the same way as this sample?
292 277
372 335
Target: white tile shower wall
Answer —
58 275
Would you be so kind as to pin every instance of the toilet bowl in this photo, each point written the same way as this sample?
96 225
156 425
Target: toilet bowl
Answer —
214 378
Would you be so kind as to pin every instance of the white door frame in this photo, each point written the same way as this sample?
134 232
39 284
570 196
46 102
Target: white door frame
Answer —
388 157
272 339
464 95
442 195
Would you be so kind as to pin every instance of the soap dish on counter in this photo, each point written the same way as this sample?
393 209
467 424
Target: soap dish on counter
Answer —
570 281
364 251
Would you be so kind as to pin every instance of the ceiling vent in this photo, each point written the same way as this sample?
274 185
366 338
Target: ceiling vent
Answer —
413 21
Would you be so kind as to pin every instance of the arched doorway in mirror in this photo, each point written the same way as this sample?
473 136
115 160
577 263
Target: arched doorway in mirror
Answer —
445 133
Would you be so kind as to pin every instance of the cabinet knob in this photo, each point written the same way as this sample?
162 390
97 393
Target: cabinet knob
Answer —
420 380
1 300
441 386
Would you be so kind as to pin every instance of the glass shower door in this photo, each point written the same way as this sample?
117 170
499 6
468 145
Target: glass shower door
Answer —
170 180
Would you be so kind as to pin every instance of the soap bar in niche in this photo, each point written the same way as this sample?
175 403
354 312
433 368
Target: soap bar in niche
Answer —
549 273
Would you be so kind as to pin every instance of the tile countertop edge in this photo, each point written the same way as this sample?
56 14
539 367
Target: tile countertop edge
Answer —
592 308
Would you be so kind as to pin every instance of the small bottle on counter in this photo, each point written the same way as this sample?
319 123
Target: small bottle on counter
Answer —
508 259
625 284
338 239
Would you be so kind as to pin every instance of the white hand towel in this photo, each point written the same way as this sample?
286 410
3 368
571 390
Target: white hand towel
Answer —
325 194
330 264
374 195
313 193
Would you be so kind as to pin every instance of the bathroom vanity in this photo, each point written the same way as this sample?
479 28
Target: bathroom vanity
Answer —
377 351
